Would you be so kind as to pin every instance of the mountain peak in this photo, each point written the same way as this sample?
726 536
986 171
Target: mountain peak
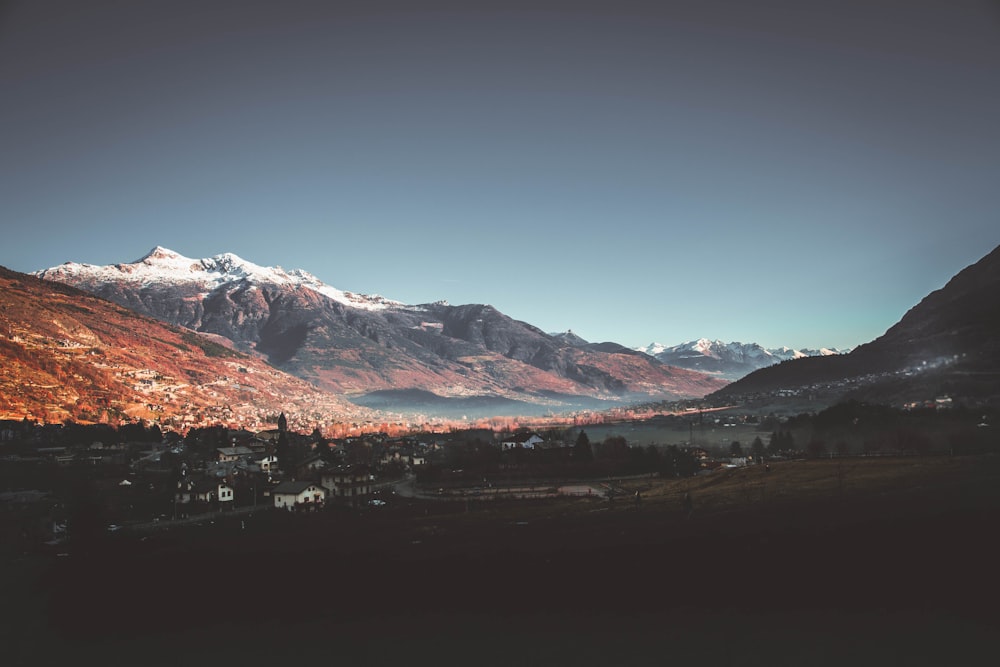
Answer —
570 338
706 346
729 360
233 265
164 267
159 253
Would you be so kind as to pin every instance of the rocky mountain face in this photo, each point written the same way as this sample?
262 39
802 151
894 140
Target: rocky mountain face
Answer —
354 344
948 344
730 361
67 354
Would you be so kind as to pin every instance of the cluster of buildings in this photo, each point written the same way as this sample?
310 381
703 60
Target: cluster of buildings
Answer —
139 474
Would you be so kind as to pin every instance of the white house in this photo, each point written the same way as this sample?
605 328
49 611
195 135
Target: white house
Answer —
520 441
203 490
288 495
267 462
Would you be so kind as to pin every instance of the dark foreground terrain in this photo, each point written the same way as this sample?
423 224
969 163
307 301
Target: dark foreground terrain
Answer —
871 562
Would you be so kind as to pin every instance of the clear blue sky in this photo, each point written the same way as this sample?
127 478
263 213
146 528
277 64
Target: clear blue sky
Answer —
791 173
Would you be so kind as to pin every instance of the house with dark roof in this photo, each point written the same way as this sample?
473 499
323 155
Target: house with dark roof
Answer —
309 466
292 495
348 483
236 453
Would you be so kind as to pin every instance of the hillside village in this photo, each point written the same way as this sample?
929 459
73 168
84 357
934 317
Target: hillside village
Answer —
139 476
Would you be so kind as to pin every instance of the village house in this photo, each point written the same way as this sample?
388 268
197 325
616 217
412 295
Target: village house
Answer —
392 456
265 462
291 495
268 437
347 483
520 441
308 466
227 454
205 490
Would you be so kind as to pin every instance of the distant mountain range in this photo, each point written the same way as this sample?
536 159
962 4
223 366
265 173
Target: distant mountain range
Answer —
68 355
355 345
727 360
946 345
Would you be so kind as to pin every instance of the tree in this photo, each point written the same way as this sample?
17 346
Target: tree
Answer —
285 456
581 450
757 447
677 463
774 444
781 441
614 447
735 449
653 457
816 448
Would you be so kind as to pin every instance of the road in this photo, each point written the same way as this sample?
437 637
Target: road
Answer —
408 488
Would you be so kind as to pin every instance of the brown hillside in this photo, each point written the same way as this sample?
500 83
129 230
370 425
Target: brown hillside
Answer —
67 354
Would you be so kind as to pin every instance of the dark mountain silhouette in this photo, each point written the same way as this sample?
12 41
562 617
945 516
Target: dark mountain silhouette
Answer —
949 343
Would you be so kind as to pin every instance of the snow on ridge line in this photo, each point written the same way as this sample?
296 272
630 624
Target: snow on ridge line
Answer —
717 349
162 265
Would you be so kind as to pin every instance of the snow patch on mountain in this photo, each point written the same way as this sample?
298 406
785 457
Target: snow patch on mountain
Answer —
162 266
720 350
731 360
569 338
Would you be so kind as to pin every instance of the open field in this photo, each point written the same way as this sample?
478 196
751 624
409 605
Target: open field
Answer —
678 432
861 561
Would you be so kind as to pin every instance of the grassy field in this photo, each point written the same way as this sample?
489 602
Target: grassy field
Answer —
827 481
862 561
652 432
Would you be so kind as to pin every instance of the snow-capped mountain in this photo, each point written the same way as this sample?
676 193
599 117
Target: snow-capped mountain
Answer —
162 267
728 360
355 344
66 354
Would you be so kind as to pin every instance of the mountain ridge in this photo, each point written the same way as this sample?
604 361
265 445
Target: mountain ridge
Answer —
70 355
354 344
731 360
948 344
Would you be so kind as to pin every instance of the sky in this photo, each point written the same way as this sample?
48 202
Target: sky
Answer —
782 172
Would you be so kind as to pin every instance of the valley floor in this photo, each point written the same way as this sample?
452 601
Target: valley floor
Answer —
886 562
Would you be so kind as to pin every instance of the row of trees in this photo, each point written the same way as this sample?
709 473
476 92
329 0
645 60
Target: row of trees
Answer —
671 461
477 458
780 442
856 427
